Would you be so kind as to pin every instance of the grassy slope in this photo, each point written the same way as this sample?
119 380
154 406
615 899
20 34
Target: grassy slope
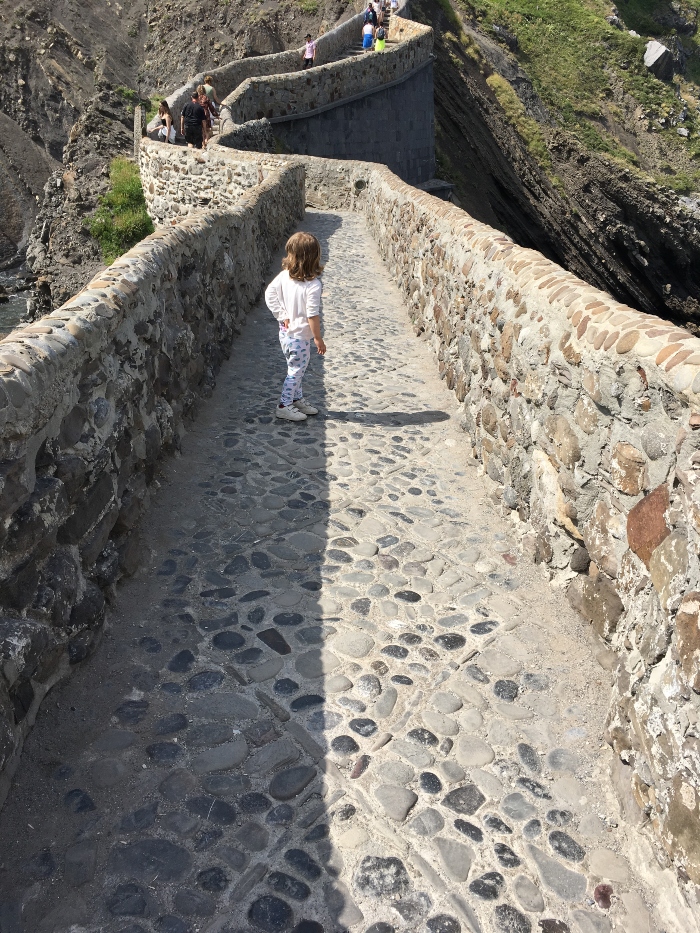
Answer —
592 78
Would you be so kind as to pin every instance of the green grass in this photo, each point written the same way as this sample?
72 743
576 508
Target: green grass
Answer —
153 108
308 6
127 93
576 61
121 221
516 115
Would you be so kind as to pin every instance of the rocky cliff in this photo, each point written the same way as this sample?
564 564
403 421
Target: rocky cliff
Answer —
516 167
70 75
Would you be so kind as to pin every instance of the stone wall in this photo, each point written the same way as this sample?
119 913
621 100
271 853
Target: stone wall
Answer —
227 77
279 95
585 415
179 181
90 397
393 123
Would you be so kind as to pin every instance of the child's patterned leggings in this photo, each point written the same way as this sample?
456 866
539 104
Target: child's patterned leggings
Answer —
297 352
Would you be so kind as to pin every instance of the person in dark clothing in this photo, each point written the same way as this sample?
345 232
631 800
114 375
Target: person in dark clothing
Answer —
371 16
193 122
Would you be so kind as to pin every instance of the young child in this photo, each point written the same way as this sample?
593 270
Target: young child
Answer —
294 297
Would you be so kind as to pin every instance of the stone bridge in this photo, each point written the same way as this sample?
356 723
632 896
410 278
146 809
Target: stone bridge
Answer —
426 662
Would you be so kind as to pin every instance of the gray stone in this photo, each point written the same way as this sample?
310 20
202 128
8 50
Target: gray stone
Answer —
452 772
275 755
116 740
148 859
528 894
412 753
395 772
439 723
384 706
315 663
427 822
178 785
562 759
222 758
570 886
338 683
659 60
368 686
456 858
353 644
340 904
395 800
289 783
446 702
588 922
265 671
252 836
517 807
472 752
229 707
108 772
80 861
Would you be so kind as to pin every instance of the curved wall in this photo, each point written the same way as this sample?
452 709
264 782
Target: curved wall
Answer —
90 396
281 95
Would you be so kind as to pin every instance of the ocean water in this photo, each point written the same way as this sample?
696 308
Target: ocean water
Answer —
11 312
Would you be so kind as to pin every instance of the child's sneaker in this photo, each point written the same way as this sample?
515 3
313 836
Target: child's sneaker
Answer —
302 405
289 413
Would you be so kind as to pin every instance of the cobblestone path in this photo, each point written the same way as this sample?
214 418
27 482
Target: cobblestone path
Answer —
334 697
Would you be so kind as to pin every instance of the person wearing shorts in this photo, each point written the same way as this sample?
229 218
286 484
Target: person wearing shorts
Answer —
367 36
193 122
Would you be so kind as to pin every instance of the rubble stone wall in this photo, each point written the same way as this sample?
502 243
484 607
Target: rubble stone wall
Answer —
90 397
277 96
585 415
227 77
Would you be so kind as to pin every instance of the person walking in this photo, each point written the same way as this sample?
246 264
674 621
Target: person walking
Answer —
210 91
167 131
294 298
193 122
371 15
309 54
380 40
210 111
367 36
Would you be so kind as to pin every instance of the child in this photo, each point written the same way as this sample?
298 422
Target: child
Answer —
294 297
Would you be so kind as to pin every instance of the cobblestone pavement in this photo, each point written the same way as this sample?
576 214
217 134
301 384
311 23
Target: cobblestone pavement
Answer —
334 697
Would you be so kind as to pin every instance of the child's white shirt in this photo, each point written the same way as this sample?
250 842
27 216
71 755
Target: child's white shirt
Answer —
295 302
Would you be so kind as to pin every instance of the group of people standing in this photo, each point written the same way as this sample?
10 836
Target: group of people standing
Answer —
198 116
374 24
196 119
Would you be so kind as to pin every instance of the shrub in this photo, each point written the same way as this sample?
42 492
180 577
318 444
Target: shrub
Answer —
121 221
515 112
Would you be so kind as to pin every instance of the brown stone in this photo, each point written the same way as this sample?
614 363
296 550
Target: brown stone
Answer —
688 638
681 827
628 468
627 341
604 536
586 415
591 384
489 419
598 602
646 523
564 439
571 355
507 341
668 567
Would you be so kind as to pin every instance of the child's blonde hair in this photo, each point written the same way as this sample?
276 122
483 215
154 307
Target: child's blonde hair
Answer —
303 259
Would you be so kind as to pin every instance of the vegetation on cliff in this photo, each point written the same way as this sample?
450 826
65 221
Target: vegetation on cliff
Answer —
121 220
585 60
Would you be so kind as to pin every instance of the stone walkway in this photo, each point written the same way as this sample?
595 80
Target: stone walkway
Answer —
335 697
